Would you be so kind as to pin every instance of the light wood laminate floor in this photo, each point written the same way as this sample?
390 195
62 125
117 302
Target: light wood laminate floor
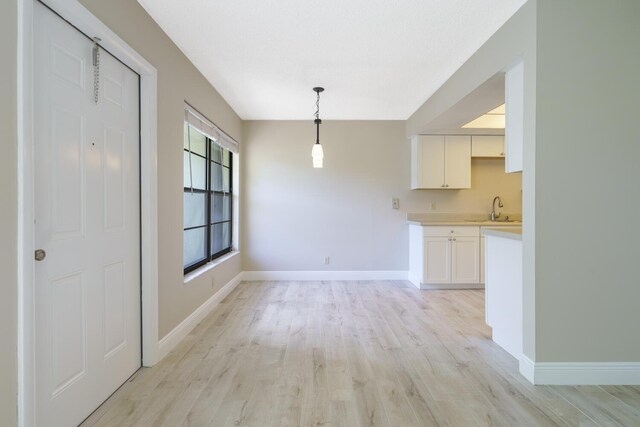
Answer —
351 354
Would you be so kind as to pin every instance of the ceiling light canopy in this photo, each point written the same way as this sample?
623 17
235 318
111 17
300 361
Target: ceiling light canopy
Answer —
493 119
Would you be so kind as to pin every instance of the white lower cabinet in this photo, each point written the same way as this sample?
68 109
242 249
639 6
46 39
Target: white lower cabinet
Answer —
437 260
444 257
465 260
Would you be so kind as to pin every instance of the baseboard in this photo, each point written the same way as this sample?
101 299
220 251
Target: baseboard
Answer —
580 373
452 286
173 338
324 275
527 368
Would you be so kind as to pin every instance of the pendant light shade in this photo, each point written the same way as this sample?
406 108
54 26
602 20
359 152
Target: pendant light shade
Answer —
317 153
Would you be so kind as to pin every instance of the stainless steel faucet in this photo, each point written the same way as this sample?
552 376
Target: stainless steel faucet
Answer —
493 208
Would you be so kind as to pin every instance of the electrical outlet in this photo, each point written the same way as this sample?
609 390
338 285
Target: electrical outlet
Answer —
395 203
432 206
327 260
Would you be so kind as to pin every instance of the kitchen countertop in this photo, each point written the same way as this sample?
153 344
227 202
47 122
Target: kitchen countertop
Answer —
514 233
444 219
481 223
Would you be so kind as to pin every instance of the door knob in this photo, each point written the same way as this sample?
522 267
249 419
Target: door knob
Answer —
40 254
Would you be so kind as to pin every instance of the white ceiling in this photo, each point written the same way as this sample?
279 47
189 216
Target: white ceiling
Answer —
377 59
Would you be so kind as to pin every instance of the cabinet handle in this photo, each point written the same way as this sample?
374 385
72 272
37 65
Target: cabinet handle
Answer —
446 185
454 240
502 154
442 186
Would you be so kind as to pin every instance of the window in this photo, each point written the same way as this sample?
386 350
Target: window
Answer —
208 188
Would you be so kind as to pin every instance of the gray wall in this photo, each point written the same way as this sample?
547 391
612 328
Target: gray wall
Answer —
178 80
8 212
587 194
295 215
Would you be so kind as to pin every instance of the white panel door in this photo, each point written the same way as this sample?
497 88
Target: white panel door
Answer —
87 219
465 260
437 260
457 161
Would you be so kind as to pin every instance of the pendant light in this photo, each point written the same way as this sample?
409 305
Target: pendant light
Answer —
316 151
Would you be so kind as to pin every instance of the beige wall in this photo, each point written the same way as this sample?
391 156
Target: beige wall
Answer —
587 194
295 215
8 212
178 80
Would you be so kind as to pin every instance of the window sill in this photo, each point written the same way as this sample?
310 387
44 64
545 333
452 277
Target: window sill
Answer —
209 266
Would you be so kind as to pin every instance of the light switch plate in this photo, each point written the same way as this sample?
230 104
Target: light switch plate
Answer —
395 203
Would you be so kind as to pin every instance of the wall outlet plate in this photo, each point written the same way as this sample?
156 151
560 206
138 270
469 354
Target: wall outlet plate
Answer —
395 203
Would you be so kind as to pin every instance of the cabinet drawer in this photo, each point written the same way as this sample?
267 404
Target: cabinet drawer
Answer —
447 231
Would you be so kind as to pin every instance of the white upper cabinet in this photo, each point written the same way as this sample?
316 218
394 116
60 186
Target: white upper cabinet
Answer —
487 146
514 119
440 162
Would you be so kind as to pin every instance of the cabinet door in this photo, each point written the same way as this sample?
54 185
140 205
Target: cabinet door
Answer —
457 161
432 160
487 146
465 260
437 260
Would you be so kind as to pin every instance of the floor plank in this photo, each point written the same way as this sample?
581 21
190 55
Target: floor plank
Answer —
352 353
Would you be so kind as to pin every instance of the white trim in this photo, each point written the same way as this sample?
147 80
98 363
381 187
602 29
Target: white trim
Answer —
527 368
189 277
173 338
324 275
74 12
580 373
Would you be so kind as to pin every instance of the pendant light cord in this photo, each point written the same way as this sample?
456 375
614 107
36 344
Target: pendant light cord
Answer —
318 121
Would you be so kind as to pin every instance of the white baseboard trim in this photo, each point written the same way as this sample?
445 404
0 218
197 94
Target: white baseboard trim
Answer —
415 280
324 275
527 368
580 373
452 286
173 338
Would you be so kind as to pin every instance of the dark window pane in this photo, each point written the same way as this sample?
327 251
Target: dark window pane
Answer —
216 207
226 235
195 173
195 207
226 208
216 152
226 180
194 246
226 158
216 238
220 207
198 141
216 177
